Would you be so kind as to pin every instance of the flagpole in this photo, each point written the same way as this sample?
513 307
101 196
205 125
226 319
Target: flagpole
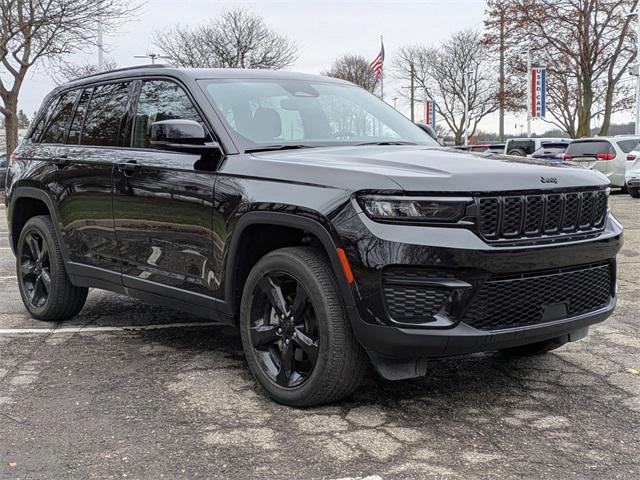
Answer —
382 74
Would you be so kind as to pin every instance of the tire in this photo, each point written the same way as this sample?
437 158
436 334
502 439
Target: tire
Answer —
330 367
634 192
538 348
60 300
624 189
518 152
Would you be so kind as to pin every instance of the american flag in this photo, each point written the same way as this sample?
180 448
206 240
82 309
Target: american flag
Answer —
378 63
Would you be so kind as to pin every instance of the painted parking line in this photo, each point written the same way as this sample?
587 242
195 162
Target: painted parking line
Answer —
71 330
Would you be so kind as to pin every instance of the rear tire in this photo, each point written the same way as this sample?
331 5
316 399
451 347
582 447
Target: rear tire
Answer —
45 288
325 361
634 192
518 152
538 348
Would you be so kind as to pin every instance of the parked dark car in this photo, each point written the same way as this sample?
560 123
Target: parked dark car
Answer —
554 152
321 222
3 169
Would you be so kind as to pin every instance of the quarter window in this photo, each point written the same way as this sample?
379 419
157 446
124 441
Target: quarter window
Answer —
105 120
160 100
59 120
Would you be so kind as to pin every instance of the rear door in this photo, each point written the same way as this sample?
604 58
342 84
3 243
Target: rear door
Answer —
163 205
81 175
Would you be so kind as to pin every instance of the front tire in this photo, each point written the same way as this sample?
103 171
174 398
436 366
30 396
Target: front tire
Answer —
295 332
45 288
634 192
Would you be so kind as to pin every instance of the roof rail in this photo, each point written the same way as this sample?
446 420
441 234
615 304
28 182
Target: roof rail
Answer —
123 69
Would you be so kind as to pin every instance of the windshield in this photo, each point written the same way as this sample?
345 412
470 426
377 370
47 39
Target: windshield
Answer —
279 113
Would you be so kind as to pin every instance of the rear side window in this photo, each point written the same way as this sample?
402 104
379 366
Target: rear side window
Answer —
49 108
589 148
104 124
3 160
59 120
78 119
628 145
160 100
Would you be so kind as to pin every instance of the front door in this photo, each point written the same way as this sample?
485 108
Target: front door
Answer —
163 207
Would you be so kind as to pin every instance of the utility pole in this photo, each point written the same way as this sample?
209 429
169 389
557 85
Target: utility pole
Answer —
529 92
502 76
413 94
638 71
466 75
100 44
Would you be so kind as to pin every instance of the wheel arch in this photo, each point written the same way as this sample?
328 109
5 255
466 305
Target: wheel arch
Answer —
233 274
28 202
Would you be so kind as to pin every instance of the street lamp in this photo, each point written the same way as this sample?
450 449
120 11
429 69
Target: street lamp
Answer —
467 75
635 69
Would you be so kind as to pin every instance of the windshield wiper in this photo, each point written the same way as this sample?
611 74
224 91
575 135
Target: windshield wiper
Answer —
267 148
387 142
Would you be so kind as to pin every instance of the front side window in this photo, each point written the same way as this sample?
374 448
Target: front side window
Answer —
160 100
105 121
266 112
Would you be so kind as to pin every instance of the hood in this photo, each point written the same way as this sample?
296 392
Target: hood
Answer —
422 169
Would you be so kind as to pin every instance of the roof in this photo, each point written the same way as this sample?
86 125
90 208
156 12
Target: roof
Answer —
196 73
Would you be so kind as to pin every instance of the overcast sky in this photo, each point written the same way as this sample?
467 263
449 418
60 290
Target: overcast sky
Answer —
324 30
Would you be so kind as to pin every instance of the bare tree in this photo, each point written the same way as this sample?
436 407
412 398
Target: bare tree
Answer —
354 69
66 71
441 73
236 39
587 47
35 30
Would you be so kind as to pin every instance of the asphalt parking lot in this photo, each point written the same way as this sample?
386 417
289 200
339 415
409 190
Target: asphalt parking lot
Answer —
92 398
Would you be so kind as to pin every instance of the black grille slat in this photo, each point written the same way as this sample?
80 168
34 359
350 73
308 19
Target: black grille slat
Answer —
519 302
515 217
512 216
534 214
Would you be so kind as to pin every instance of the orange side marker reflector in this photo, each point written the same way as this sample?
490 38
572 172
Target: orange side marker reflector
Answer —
345 265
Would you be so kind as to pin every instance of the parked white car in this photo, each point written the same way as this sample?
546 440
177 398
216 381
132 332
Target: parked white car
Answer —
633 175
608 155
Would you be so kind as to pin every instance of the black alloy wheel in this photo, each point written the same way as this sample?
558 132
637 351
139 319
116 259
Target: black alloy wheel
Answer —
35 268
45 287
296 335
284 330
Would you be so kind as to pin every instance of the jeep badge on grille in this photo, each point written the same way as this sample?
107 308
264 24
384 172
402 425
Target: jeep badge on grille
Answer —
549 179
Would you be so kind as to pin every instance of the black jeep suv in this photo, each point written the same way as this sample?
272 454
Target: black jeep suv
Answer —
326 226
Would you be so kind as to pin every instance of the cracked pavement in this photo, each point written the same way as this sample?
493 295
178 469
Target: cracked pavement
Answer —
180 403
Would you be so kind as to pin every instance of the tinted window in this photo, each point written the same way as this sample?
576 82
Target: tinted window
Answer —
42 120
105 120
589 148
160 100
3 160
628 145
78 118
59 120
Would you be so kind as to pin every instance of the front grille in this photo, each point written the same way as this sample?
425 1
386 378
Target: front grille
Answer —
524 300
515 217
408 299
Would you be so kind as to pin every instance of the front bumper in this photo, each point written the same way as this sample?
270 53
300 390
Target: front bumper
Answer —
464 262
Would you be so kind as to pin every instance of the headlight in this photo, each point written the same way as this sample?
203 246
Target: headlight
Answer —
414 209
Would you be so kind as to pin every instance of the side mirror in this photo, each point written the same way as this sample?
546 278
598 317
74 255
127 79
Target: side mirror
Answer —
428 129
181 135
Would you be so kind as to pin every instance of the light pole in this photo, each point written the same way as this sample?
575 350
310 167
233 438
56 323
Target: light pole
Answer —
395 101
637 68
529 92
467 74
152 56
100 43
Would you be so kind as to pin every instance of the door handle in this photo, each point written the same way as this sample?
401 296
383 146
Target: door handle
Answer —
128 168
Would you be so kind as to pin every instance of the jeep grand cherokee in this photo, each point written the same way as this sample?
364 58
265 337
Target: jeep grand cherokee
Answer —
327 227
